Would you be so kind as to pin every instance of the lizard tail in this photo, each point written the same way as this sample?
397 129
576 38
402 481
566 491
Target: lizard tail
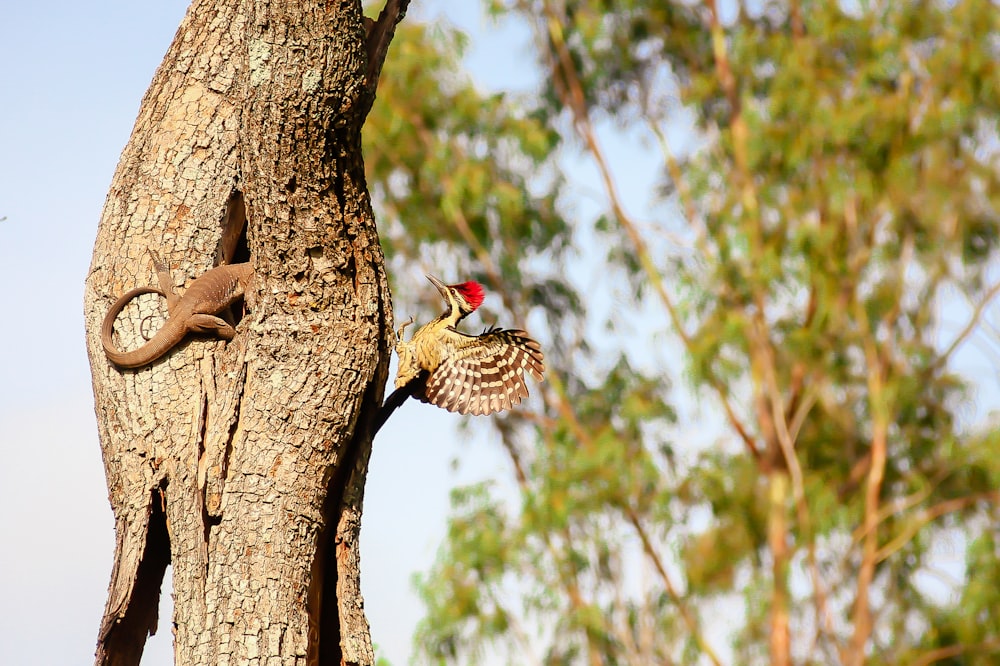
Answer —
108 325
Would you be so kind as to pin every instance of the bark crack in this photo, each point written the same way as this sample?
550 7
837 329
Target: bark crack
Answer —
203 459
233 247
337 543
124 631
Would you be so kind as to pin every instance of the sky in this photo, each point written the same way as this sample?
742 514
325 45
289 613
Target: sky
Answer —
71 79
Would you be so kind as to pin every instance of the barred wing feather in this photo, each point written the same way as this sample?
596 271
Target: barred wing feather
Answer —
487 375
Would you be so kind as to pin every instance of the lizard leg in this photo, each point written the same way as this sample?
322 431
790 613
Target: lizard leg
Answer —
163 275
206 323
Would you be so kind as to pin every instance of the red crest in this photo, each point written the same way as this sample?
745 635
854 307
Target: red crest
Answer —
472 292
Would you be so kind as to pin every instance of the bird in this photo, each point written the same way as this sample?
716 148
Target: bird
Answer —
463 373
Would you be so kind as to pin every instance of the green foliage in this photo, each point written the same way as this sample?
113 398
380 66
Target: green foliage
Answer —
841 196
479 551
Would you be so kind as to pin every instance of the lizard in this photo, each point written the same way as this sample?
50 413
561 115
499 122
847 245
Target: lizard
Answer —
194 312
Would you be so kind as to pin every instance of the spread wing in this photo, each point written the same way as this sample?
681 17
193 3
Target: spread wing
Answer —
486 373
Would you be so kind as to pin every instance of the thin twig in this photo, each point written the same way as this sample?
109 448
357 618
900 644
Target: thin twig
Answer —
930 514
977 313
683 189
954 650
686 615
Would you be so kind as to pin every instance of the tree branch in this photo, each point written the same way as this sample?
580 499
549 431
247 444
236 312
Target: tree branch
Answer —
879 406
977 314
396 399
378 36
786 435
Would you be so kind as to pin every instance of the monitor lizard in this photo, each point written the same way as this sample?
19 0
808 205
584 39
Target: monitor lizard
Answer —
194 312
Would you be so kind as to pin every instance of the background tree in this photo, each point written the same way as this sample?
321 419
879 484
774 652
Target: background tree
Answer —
243 464
830 210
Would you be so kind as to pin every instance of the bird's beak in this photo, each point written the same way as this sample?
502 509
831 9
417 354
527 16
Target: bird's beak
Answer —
441 286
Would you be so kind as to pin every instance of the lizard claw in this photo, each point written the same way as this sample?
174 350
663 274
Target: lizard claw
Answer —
142 327
158 264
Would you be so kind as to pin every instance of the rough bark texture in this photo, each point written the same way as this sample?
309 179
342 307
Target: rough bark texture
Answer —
243 463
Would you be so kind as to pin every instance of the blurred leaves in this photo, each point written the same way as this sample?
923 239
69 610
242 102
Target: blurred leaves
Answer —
839 198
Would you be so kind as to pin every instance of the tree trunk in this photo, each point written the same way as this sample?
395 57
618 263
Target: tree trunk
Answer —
243 463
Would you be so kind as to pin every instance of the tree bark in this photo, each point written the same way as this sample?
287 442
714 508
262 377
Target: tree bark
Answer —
242 464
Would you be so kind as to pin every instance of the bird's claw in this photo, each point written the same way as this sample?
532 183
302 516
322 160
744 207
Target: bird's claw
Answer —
399 333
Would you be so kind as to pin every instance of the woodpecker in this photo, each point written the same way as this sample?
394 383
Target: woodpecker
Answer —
468 374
